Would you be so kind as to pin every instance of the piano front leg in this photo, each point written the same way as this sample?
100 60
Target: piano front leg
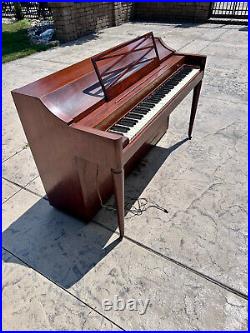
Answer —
118 181
196 95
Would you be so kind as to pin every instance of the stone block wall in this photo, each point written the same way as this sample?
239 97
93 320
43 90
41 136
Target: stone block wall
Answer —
172 11
75 19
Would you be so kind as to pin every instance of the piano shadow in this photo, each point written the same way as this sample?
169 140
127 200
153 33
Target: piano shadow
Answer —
135 184
63 248
60 247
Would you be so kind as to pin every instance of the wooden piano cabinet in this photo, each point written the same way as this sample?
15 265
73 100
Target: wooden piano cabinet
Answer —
62 153
66 118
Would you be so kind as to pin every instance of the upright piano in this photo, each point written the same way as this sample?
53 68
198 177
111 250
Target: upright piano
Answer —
88 124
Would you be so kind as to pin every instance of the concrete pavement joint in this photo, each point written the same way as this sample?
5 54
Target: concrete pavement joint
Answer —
182 47
19 151
202 275
21 188
214 40
52 61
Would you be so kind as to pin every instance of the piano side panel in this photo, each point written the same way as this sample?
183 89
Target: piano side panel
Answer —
57 148
96 183
51 149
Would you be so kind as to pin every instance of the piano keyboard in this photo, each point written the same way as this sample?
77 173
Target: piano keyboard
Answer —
138 117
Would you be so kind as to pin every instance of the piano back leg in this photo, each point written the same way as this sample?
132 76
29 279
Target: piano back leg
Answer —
196 95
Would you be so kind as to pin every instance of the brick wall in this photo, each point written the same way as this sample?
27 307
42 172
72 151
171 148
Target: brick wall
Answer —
73 19
172 11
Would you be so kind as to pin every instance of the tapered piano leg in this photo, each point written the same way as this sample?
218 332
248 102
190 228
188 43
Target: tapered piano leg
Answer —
196 95
118 180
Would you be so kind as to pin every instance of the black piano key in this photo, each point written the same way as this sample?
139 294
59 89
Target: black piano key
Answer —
164 88
145 101
159 95
115 131
167 86
171 84
153 96
155 99
165 91
119 129
134 115
127 122
150 104
154 102
176 79
142 107
141 111
148 99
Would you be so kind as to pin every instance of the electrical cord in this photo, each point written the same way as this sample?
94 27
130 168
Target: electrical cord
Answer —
139 206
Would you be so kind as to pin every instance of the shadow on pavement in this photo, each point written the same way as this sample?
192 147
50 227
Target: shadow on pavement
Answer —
57 245
135 184
63 248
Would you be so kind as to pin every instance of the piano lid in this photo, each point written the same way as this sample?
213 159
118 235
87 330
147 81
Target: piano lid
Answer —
75 91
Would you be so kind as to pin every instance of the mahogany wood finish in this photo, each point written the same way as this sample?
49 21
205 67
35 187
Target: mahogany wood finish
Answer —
196 95
118 179
66 116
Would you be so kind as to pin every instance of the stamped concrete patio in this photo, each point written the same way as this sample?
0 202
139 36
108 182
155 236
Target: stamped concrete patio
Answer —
190 263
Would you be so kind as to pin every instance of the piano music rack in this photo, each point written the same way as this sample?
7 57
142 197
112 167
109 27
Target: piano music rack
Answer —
137 55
